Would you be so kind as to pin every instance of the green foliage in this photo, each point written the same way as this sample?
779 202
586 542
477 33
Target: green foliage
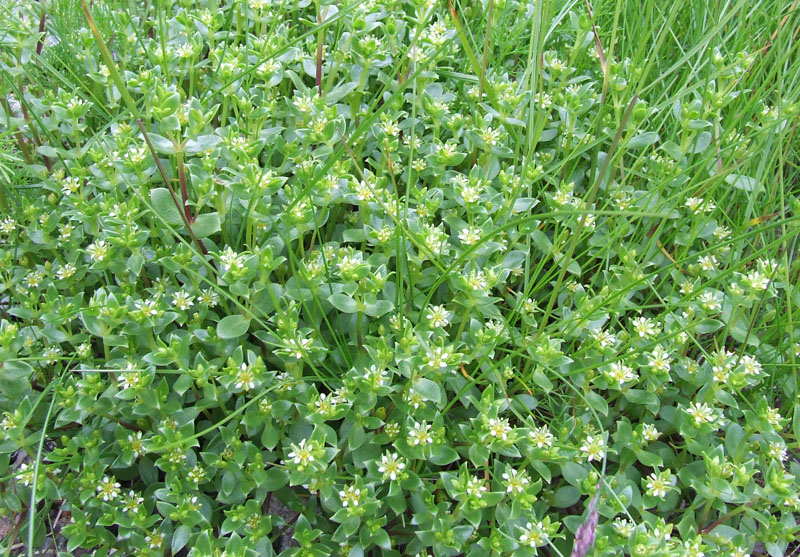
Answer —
427 276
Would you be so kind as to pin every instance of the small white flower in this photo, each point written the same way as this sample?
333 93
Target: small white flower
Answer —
499 428
182 300
391 466
701 412
70 185
516 481
649 432
97 250
644 327
541 437
621 373
108 489
469 235
533 535
438 317
66 271
475 487
245 379
350 496
658 484
593 447
303 453
420 434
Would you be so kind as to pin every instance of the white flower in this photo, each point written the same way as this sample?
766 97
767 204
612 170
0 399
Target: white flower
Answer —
391 466
657 484
303 453
136 445
750 365
7 226
708 263
593 447
108 489
420 434
701 412
516 481
778 451
133 502
469 235
475 487
148 307
154 540
231 260
698 204
541 437
649 432
350 496
659 360
623 527
438 316
70 185
245 378
754 280
97 250
533 535
182 300
499 428
644 327
66 271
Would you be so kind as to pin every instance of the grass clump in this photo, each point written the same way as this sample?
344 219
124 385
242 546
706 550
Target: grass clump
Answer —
432 277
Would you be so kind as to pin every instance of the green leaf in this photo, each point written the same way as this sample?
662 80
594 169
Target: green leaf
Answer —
180 537
164 206
642 140
542 380
276 478
201 144
796 421
14 378
206 224
701 143
442 455
541 241
645 398
744 183
573 472
734 437
379 308
565 496
597 402
649 459
232 326
162 144
343 303
429 390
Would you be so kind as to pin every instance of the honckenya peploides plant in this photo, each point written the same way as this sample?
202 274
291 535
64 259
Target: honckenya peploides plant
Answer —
399 277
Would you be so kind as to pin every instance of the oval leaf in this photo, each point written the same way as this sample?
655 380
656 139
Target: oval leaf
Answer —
232 326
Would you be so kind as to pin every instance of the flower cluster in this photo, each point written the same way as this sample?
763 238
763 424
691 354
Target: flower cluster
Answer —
322 270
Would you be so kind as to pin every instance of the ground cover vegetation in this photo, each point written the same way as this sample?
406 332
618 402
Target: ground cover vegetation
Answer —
433 277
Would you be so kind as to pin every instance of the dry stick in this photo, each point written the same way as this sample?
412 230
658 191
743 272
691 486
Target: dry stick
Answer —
598 45
184 191
188 224
486 48
590 199
775 34
40 42
320 34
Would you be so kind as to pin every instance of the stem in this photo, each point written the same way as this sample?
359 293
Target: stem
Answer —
359 319
320 33
184 191
188 224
